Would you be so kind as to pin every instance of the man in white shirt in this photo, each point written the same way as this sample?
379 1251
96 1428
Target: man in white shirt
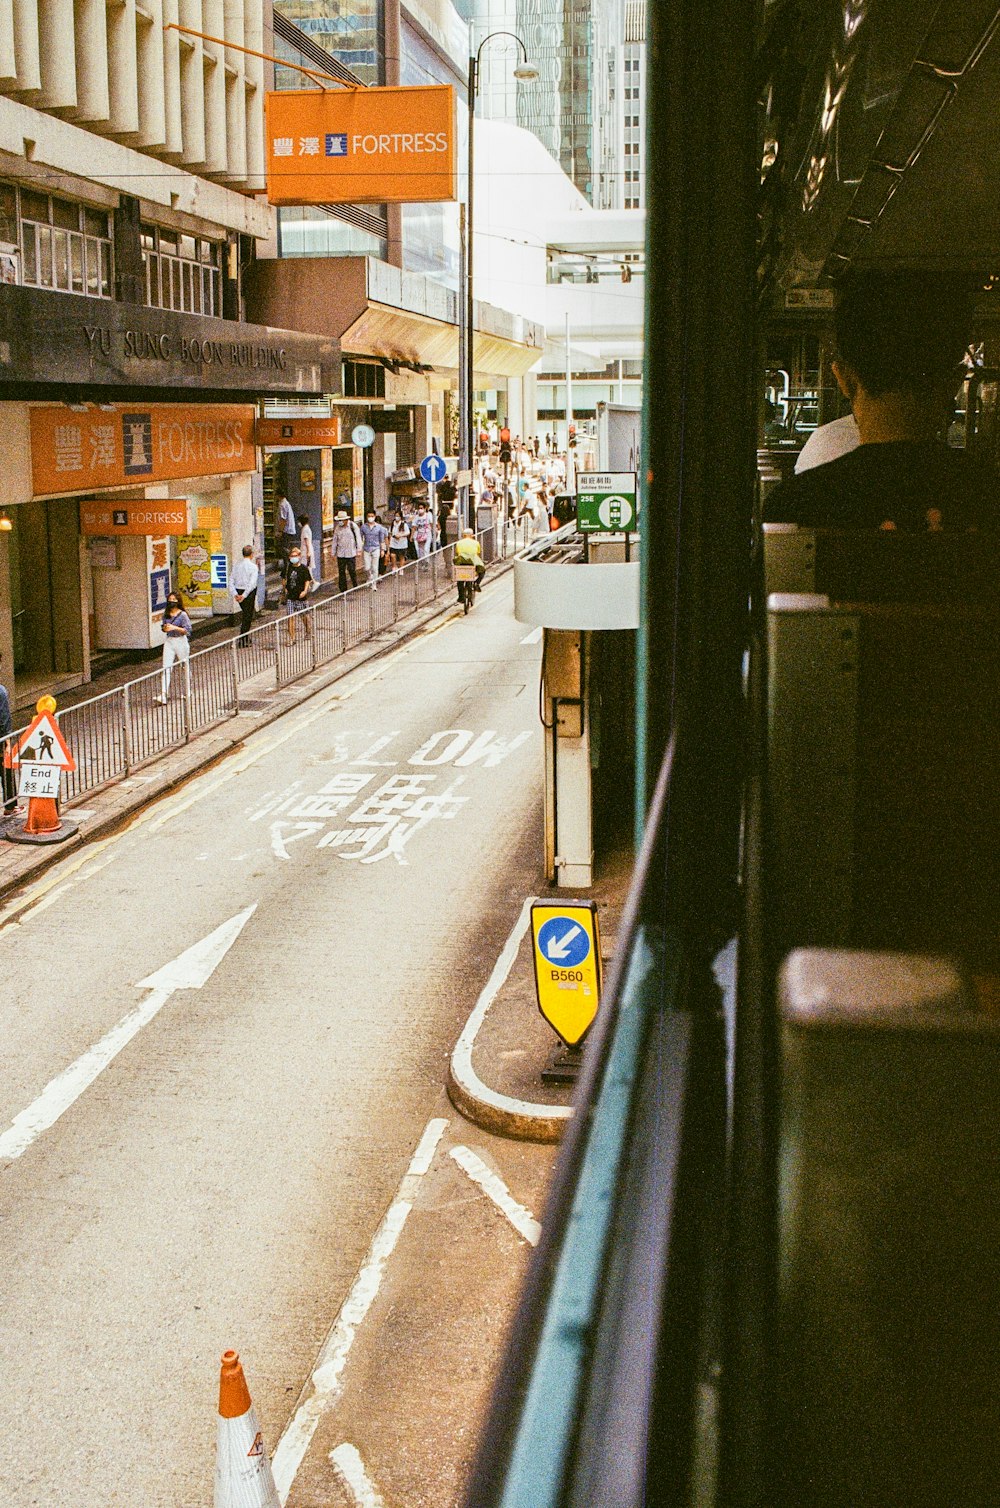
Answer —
244 584
286 531
306 543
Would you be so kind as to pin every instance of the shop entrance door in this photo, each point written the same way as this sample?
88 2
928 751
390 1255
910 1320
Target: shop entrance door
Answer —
45 598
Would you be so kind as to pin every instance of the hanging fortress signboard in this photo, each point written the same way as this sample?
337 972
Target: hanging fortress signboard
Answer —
391 145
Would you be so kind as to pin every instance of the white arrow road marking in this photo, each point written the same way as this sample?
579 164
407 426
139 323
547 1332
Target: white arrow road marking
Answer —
326 1377
532 638
346 1461
559 947
494 1187
190 971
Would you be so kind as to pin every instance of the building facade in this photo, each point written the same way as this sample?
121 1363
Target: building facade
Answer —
131 380
619 105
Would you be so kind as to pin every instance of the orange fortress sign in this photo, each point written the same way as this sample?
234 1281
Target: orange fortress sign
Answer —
362 146
120 445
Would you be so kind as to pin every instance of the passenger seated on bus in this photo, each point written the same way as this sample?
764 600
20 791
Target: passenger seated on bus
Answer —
901 337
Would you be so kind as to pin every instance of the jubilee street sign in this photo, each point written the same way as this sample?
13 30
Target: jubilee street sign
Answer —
567 956
605 502
433 469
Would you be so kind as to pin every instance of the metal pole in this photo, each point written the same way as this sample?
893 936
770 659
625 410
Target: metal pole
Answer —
464 421
470 260
570 469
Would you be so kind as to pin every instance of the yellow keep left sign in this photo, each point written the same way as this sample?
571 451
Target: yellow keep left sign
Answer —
567 966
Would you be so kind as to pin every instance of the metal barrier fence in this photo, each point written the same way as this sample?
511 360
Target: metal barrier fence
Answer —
114 733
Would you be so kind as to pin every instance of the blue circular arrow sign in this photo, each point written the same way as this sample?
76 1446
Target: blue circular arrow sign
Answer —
563 941
433 469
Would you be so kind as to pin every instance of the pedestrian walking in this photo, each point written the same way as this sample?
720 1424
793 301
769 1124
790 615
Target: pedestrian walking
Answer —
245 579
347 546
6 729
375 544
176 626
399 541
286 532
422 531
306 543
298 585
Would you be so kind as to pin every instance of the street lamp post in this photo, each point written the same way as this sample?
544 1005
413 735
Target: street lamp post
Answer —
524 72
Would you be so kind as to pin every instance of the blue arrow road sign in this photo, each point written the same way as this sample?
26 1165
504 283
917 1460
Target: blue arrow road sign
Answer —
433 469
563 941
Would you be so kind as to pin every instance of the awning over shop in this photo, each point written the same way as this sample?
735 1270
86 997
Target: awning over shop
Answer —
377 310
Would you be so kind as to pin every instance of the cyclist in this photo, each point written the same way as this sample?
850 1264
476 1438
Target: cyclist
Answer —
467 552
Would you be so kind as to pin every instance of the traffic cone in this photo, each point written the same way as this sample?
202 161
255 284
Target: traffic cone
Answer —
243 1476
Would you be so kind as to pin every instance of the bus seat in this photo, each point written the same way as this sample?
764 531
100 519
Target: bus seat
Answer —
884 776
874 565
888 1329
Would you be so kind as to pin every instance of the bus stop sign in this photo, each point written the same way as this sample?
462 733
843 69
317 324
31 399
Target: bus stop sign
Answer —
567 956
605 502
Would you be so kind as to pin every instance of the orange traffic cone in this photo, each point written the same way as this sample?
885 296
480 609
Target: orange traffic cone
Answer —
243 1476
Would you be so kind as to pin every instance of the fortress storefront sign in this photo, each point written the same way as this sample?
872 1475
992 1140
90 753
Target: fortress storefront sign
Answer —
111 447
392 145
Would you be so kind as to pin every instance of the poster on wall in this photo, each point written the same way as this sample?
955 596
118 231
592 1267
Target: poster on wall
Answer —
358 481
326 483
194 572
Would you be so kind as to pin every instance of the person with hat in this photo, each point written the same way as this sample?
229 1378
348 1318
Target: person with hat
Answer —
347 545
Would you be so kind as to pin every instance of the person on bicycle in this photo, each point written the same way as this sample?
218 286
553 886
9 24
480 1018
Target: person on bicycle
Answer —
467 552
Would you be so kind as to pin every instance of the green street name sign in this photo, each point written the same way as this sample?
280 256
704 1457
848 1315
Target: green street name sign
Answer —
605 502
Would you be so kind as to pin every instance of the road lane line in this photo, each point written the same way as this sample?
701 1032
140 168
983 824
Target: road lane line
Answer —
326 1376
533 637
346 1461
190 971
494 1188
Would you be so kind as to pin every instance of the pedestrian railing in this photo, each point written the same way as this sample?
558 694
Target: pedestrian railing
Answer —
114 733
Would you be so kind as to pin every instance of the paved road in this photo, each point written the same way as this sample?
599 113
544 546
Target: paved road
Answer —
219 1181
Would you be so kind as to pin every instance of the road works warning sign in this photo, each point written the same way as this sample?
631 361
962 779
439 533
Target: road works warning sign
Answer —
567 966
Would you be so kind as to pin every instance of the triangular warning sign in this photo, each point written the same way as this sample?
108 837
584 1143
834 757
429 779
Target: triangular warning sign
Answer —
257 1448
42 743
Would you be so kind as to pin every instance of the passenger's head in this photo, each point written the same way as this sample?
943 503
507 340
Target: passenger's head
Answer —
303 518
248 551
902 332
468 533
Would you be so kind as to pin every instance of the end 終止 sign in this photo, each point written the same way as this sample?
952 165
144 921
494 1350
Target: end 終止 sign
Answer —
567 956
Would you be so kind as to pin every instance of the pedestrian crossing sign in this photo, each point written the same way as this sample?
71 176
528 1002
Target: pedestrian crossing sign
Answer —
41 743
567 956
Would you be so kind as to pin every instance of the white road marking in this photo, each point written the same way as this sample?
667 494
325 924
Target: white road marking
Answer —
533 637
494 1188
346 1460
326 1376
190 971
463 1073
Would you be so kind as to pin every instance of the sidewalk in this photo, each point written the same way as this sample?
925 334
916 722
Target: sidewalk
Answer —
107 808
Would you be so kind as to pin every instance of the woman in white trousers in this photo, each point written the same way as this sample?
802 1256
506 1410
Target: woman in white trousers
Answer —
176 627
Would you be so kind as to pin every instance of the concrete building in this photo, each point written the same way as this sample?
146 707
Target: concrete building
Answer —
557 107
383 280
619 116
131 150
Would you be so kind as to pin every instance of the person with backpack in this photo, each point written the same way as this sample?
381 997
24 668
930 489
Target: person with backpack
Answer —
399 540
347 546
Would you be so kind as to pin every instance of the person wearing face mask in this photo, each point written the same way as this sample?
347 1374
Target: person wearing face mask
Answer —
422 530
298 584
176 626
